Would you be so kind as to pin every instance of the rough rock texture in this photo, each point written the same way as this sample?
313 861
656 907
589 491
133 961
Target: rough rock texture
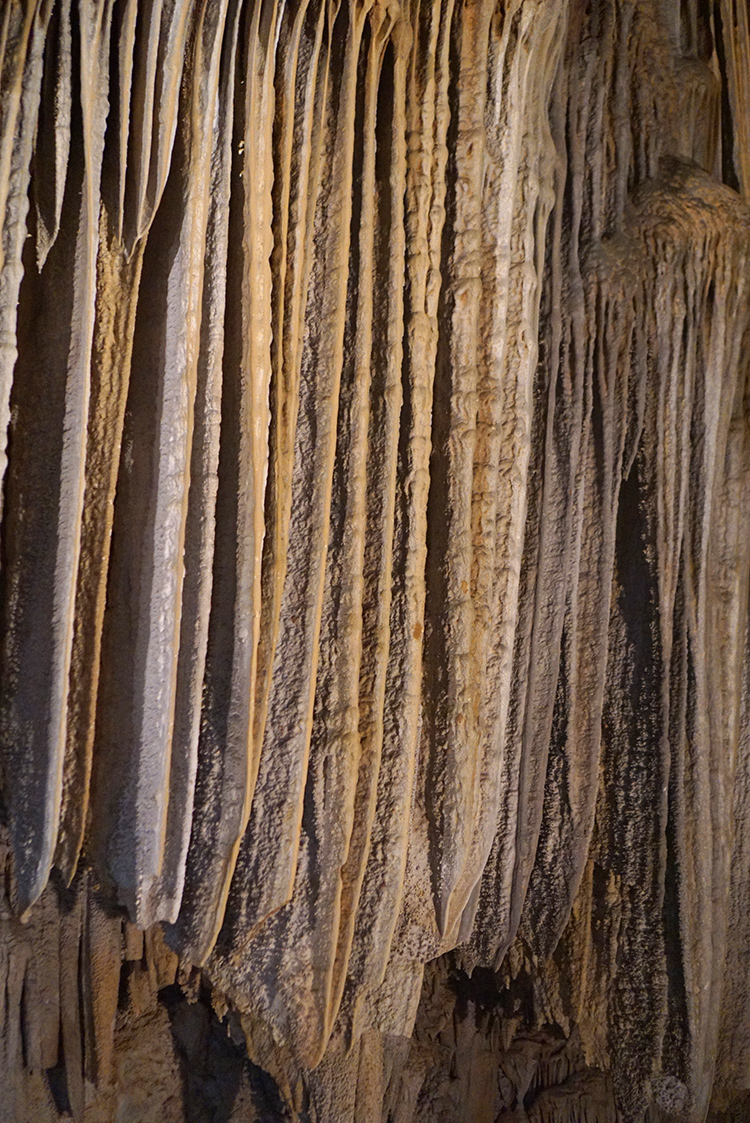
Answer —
374 561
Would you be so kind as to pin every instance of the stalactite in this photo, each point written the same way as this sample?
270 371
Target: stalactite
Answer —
374 560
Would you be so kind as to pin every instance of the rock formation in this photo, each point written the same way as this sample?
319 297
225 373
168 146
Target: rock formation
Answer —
374 561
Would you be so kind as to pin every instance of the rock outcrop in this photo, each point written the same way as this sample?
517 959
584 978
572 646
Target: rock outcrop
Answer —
374 561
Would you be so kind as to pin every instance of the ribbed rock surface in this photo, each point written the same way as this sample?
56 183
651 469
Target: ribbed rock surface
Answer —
375 554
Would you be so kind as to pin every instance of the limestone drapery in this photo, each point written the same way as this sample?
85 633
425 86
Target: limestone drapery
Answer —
376 537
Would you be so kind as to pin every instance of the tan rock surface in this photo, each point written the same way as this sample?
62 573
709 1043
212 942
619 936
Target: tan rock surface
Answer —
374 561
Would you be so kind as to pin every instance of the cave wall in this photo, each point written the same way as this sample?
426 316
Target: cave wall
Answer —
374 561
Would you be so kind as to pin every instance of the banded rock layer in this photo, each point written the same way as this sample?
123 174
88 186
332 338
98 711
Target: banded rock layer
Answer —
375 539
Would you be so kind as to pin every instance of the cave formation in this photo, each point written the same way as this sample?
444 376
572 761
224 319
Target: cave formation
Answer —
374 561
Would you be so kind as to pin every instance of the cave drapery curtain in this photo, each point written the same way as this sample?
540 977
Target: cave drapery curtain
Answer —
375 533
